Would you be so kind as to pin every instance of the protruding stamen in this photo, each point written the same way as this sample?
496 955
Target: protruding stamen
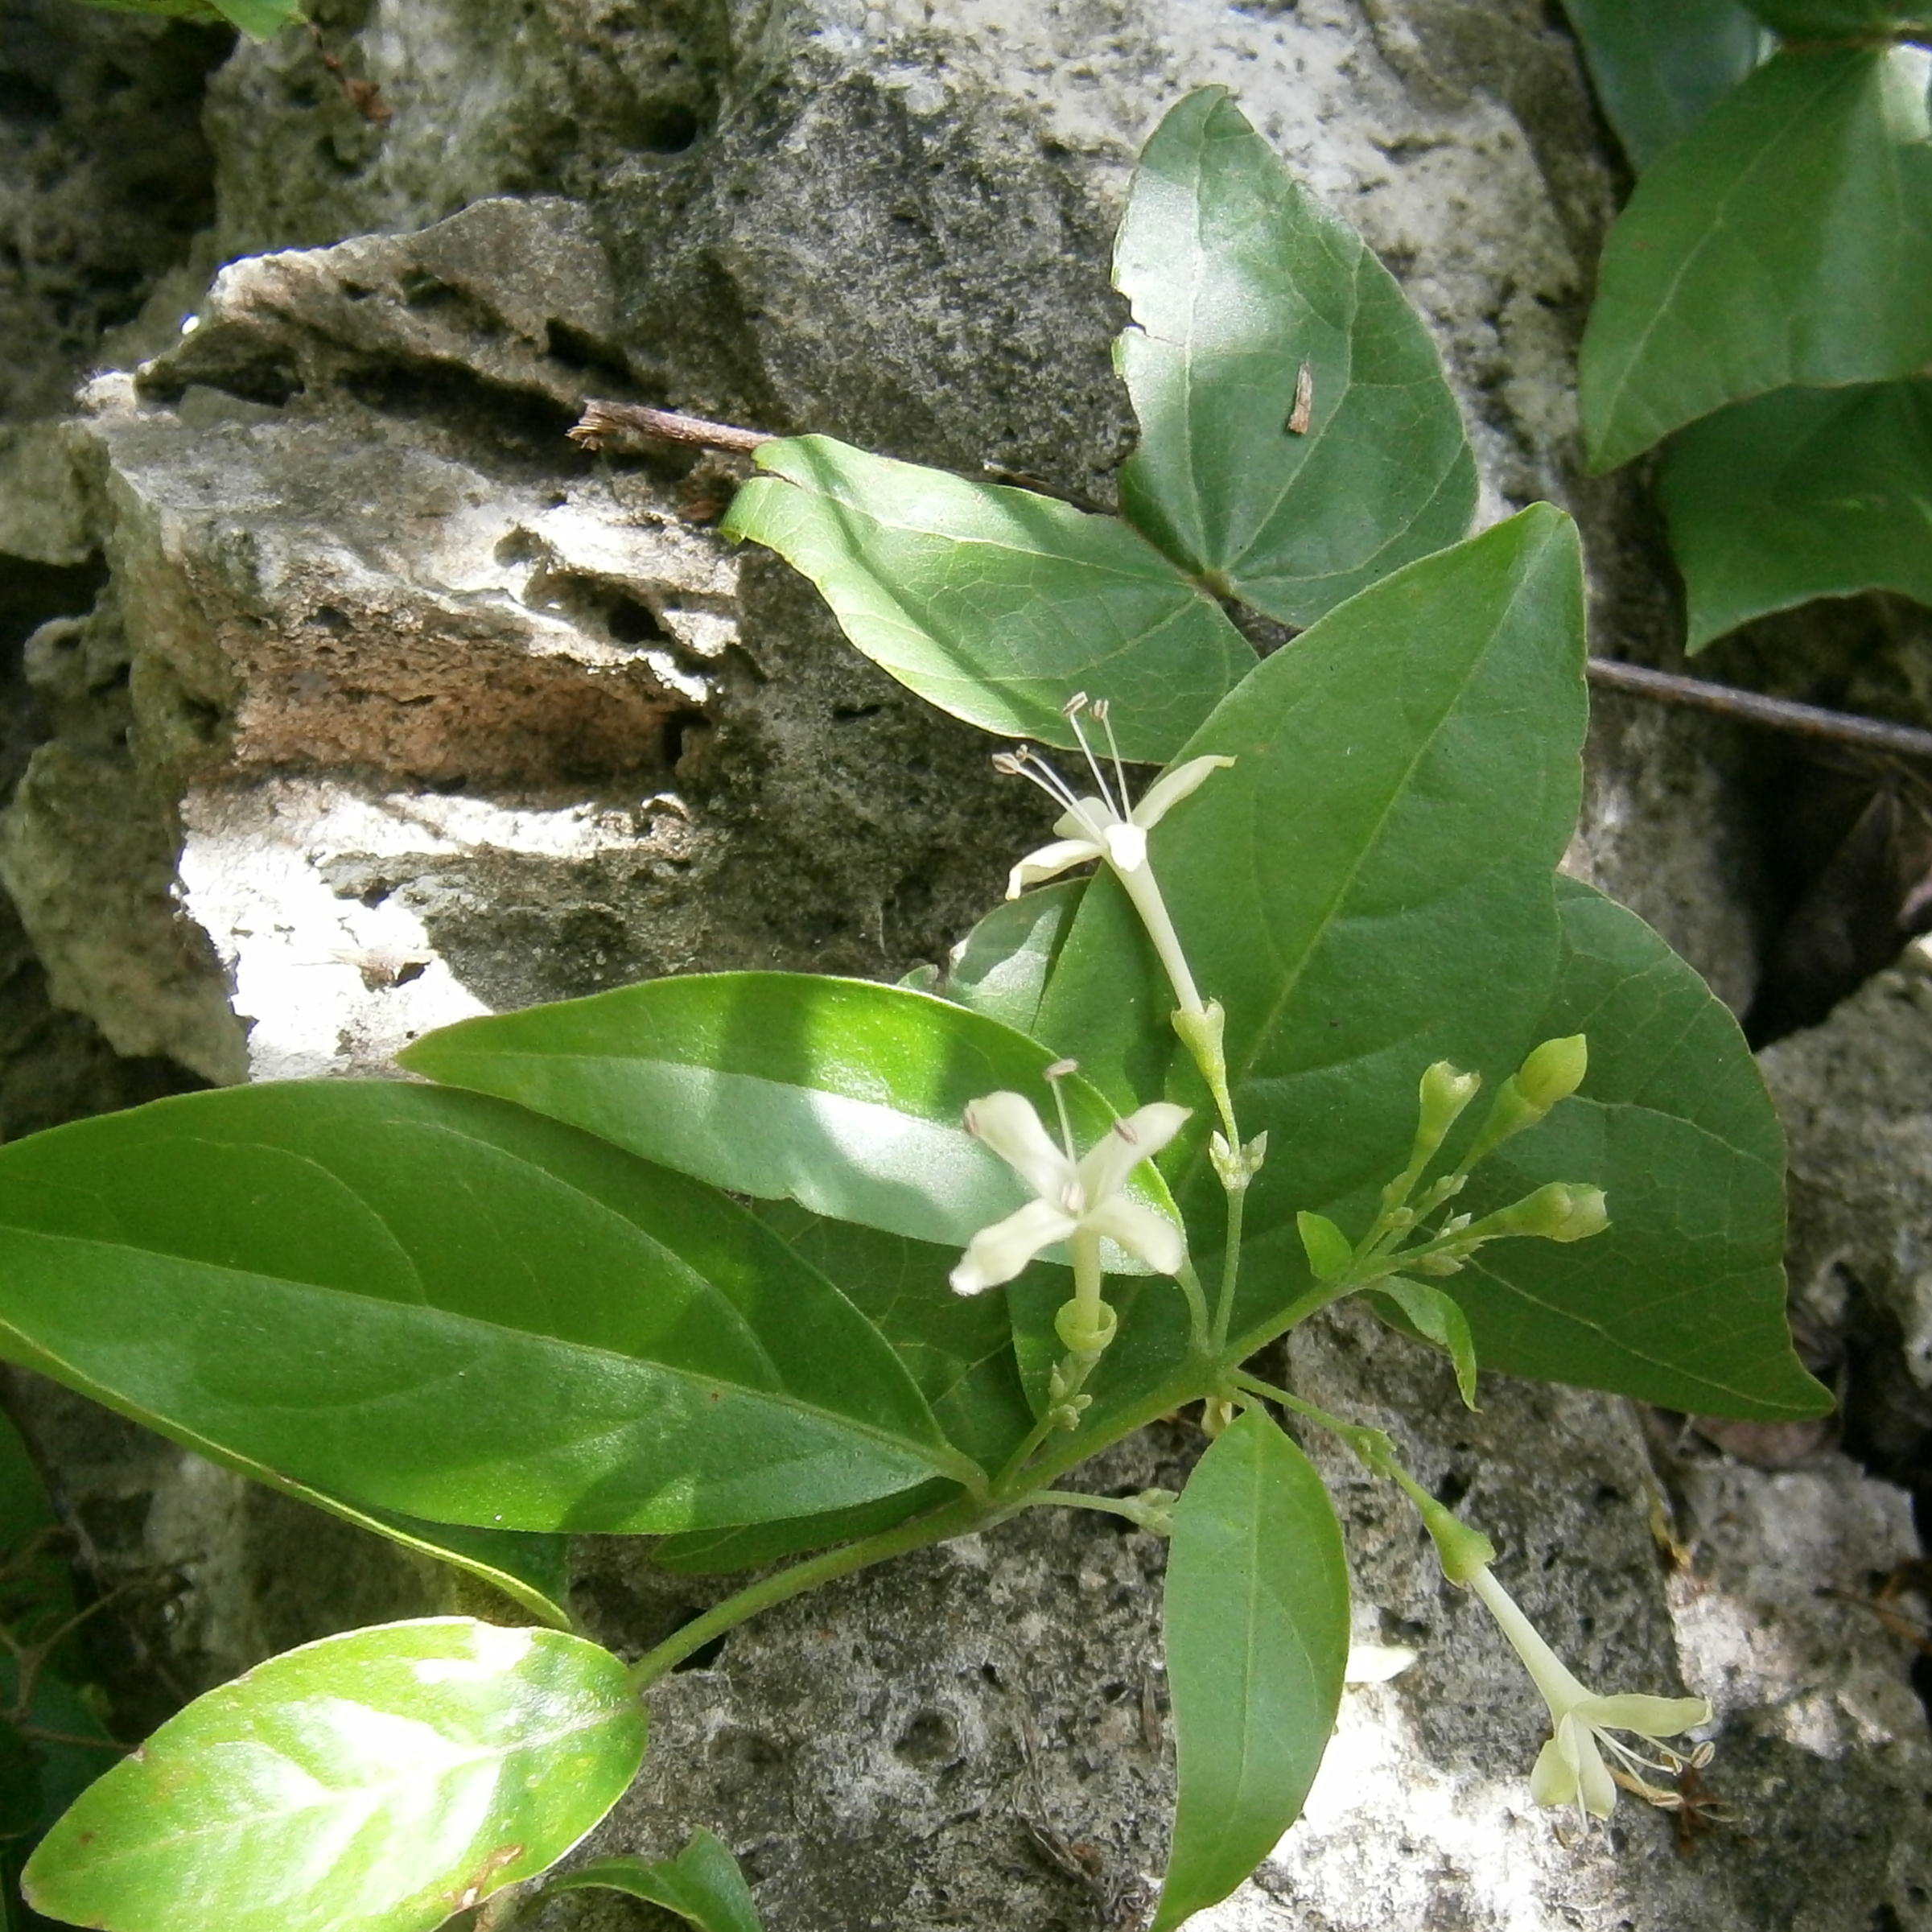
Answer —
1055 1074
1028 764
1100 782
1104 711
1074 705
1008 765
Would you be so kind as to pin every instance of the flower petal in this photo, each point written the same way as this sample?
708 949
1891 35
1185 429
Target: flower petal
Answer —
1648 1716
1089 819
1553 1781
1049 862
1598 1787
1117 1152
1140 1231
1007 1123
997 1253
1170 787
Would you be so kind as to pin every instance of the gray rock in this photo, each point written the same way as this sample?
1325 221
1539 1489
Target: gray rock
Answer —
397 706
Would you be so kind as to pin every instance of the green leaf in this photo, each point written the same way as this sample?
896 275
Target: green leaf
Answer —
1802 493
260 20
958 1349
702 1884
1367 890
1239 278
1835 19
1437 1317
1787 239
373 1782
1329 1251
19 1782
1682 1301
1659 65
995 604
840 1095
1000 968
434 1303
1256 1612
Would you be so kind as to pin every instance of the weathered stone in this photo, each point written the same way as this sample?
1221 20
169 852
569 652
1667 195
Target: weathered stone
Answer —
442 714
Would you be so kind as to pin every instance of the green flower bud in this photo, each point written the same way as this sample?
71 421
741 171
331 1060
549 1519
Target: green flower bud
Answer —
1445 1093
1553 1072
1562 1211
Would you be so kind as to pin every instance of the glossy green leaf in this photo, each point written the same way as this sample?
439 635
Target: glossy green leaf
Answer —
958 1349
1256 1612
1436 1317
840 1095
433 1303
1787 239
1367 890
1658 66
1835 19
258 19
1802 493
995 604
1000 968
378 1781
1239 278
702 1884
1682 1301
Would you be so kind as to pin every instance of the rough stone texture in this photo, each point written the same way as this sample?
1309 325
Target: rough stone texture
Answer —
351 697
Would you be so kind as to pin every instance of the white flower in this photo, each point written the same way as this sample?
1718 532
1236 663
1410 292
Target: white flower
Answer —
1570 1769
1094 828
1075 1196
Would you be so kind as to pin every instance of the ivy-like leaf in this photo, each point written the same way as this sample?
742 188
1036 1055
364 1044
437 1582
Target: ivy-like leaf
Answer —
995 604
1240 282
373 1782
438 1304
1658 66
1680 1301
1256 1612
1802 493
1787 239
702 1883
840 1095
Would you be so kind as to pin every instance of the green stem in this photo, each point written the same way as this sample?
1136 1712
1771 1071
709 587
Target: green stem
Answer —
956 1519
1078 1499
1200 1328
1371 1447
1230 1269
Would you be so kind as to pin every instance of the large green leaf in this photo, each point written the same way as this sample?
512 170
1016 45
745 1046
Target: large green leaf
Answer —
1369 888
378 1781
995 604
1786 240
1681 1302
1659 65
702 1884
433 1303
840 1095
1802 493
258 19
1239 278
1000 968
1256 1612
1844 19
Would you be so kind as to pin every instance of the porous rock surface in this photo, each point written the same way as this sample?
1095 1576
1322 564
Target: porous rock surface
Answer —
358 699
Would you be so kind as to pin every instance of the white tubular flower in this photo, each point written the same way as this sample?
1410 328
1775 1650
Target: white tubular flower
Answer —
1075 1196
1570 1769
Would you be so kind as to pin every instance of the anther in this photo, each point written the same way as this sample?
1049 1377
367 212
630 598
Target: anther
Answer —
1008 765
1060 1070
1074 705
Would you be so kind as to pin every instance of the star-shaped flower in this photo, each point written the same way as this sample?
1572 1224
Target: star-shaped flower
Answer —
1074 1196
1570 1768
1095 828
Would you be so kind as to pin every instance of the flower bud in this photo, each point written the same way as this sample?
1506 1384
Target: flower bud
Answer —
1560 1211
1445 1093
1553 1072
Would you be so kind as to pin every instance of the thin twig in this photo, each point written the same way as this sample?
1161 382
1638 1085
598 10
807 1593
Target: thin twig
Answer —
1753 707
603 423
